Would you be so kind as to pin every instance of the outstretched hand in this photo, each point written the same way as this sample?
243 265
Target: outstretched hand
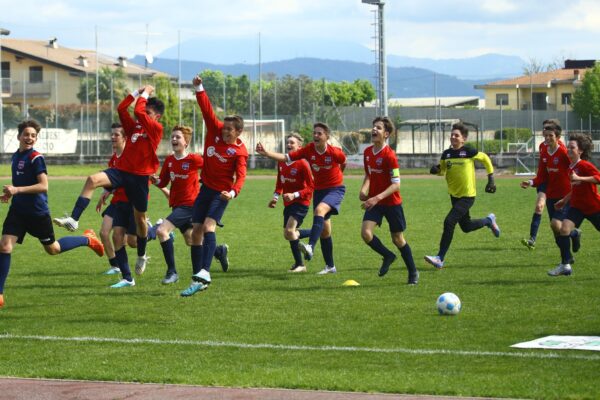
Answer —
197 80
260 149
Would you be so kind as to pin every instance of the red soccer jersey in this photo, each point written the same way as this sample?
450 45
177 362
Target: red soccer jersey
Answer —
143 138
326 166
584 195
295 177
554 170
183 175
379 167
118 194
222 161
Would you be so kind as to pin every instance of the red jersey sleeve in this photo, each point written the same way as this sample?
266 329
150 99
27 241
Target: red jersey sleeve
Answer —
278 183
298 154
309 186
338 155
124 116
213 125
542 173
198 161
152 127
164 174
240 173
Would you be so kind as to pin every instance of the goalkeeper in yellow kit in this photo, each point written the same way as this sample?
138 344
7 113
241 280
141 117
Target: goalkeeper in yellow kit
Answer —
457 164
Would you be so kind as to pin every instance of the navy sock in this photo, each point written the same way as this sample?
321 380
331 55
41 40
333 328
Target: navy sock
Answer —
123 263
141 246
304 233
536 219
316 230
296 252
4 267
196 252
169 253
407 256
70 242
564 243
327 250
376 245
210 245
573 234
113 261
80 206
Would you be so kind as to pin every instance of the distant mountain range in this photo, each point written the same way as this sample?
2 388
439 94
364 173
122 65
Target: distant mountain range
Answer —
402 81
227 51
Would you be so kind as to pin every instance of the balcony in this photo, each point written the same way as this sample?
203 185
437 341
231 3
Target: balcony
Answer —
18 89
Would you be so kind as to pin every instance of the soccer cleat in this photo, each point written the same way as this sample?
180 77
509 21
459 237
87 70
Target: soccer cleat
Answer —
93 242
493 225
123 283
159 221
529 243
306 250
327 270
171 277
385 266
297 268
148 223
561 269
435 261
67 222
203 277
194 288
223 257
576 240
1 300
112 271
413 279
140 264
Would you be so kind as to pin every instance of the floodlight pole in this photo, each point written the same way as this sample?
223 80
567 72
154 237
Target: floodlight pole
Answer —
382 86
3 32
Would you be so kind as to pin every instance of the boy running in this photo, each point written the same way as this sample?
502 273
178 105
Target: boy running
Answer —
29 212
380 194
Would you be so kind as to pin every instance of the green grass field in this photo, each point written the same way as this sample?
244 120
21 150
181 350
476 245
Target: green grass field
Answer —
259 326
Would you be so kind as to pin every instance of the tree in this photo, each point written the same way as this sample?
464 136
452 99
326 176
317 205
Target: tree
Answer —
165 91
107 77
586 99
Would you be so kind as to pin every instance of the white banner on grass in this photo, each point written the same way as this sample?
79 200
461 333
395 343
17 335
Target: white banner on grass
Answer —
562 343
50 141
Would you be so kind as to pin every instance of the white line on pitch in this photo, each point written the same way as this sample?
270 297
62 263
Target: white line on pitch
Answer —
209 343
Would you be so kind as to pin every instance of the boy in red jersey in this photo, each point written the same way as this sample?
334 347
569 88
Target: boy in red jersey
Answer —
223 176
540 204
583 198
553 171
132 172
29 212
118 140
295 182
180 169
380 194
327 163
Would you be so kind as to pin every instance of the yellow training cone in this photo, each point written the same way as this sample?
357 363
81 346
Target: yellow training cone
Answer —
351 282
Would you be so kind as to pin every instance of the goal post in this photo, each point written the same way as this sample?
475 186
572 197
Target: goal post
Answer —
269 132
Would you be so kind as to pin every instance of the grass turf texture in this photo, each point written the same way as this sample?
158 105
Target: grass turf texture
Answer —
507 298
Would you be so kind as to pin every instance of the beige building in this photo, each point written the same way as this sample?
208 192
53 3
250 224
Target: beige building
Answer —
552 90
36 72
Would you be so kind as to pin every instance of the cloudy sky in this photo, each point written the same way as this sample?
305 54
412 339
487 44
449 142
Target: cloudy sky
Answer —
540 29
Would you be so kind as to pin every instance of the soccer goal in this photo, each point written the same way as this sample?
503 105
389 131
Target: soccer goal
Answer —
269 132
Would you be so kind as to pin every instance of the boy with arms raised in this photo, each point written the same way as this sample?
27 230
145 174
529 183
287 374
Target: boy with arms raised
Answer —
223 176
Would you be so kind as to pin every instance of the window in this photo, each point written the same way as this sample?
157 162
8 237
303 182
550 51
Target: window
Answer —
539 101
502 99
5 75
565 98
36 75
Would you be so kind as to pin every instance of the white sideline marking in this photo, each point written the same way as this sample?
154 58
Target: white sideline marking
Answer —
209 343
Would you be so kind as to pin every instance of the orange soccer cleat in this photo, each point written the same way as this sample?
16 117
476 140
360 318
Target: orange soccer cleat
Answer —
93 242
1 300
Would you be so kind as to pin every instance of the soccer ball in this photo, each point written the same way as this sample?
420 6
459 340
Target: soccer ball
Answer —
448 304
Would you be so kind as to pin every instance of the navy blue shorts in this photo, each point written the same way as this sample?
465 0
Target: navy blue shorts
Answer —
181 218
332 197
542 188
109 211
123 217
136 187
39 226
554 213
575 215
393 214
208 204
295 210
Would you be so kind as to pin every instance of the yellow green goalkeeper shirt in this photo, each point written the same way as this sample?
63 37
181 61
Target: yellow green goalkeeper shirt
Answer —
459 168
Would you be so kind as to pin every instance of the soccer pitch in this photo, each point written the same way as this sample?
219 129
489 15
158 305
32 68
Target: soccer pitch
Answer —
260 326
